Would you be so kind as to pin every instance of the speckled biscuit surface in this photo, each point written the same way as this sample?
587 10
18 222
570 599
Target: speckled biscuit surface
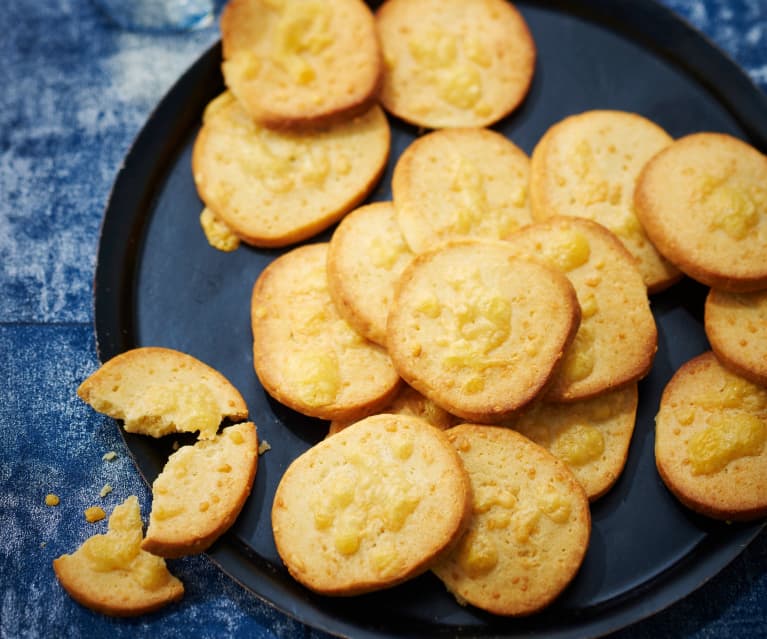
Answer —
529 529
710 440
276 188
305 354
409 402
478 331
587 165
617 338
591 436
451 63
299 63
703 202
736 327
445 187
348 515
158 391
111 574
366 256
200 492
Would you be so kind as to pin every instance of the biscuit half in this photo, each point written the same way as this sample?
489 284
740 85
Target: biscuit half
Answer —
200 491
159 391
111 574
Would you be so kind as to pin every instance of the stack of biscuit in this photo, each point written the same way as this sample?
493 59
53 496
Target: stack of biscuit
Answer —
510 297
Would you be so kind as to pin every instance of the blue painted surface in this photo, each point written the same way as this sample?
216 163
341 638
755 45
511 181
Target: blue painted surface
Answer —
75 92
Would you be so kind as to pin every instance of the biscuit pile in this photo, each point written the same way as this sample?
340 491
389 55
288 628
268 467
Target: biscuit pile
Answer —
504 300
197 496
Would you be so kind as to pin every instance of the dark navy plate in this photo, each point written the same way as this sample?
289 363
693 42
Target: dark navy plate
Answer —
158 282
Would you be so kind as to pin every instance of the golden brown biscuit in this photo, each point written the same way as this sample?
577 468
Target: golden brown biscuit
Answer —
409 402
454 63
299 63
305 354
617 338
348 515
478 331
275 188
736 327
444 187
529 529
366 256
200 491
710 435
591 436
158 391
703 202
111 574
587 165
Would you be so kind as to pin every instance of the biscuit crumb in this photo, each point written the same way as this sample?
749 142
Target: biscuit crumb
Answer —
109 456
51 500
105 490
263 447
94 514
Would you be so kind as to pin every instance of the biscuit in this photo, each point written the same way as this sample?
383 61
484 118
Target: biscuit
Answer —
444 187
479 332
736 327
710 435
617 338
591 436
586 165
348 514
366 256
300 63
529 529
159 391
304 353
409 402
703 202
454 63
111 574
277 188
200 492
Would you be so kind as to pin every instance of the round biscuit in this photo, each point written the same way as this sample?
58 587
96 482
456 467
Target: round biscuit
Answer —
591 436
586 165
617 338
445 189
301 63
304 353
703 202
711 441
478 331
366 256
276 188
736 327
348 514
454 63
529 529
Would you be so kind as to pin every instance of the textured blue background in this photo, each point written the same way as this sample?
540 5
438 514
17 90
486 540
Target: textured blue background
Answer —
74 91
